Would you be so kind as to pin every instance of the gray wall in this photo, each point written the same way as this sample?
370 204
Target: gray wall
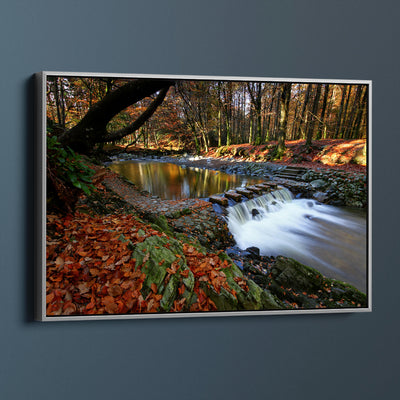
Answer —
352 356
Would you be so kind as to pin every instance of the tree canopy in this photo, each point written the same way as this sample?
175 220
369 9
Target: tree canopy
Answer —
199 114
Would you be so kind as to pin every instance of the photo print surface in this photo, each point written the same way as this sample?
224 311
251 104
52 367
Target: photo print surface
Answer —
166 196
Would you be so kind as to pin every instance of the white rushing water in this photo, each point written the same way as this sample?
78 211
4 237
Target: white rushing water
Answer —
330 239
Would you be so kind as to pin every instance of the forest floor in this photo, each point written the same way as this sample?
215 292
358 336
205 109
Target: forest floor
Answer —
341 154
124 251
121 252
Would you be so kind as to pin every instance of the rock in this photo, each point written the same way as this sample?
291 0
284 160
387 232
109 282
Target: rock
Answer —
155 254
224 300
254 251
311 287
360 156
254 299
222 201
255 212
272 185
264 187
318 184
337 203
245 192
254 189
160 222
233 195
320 196
290 273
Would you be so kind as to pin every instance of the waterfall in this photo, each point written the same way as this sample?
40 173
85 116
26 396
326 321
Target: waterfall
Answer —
258 207
330 239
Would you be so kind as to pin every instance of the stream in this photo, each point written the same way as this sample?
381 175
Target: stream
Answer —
330 239
175 182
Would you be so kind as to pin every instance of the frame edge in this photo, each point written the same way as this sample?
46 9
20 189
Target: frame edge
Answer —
40 205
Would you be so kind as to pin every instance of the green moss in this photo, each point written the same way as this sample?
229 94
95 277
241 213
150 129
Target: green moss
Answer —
224 301
170 293
155 255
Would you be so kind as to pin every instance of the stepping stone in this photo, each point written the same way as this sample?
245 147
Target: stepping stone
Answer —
272 185
233 195
222 201
254 189
247 193
263 187
267 185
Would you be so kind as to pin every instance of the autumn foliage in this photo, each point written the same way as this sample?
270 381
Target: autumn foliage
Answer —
90 269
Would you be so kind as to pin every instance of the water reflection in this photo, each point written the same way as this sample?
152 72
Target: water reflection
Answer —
173 182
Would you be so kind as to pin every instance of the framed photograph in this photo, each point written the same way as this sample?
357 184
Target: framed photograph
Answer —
185 196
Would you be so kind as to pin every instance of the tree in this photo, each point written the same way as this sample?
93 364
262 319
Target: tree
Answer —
255 90
304 114
198 100
226 89
361 110
353 113
92 129
310 128
322 126
269 110
284 112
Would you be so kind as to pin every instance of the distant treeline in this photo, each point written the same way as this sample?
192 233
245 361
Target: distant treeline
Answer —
216 113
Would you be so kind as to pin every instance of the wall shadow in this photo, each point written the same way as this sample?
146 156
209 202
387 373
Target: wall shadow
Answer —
29 196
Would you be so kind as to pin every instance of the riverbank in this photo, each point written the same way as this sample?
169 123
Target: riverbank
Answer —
124 251
339 185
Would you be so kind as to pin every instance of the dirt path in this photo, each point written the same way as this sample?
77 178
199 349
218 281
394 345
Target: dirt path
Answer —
193 217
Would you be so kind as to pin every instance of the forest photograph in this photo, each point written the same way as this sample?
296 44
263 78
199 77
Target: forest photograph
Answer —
167 195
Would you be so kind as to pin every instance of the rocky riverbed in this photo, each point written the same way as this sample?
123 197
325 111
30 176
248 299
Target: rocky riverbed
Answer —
253 282
329 186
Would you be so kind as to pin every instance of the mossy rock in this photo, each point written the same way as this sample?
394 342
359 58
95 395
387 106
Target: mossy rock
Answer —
224 300
319 184
160 223
154 255
256 298
290 273
346 292
170 293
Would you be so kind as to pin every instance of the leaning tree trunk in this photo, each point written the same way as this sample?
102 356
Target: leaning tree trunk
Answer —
92 129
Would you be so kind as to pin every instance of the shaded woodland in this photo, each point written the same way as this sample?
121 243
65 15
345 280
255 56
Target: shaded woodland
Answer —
90 113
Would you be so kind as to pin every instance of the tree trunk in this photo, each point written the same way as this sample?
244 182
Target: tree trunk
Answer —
339 120
345 117
59 101
362 109
277 116
219 129
284 112
322 127
269 112
354 110
92 128
293 132
311 125
304 115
